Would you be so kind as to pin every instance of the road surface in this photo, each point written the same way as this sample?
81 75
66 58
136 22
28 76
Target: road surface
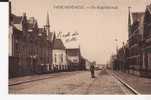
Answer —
78 82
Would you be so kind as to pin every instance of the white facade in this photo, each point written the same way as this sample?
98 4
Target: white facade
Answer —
59 58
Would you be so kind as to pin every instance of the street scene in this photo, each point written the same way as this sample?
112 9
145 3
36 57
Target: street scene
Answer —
79 48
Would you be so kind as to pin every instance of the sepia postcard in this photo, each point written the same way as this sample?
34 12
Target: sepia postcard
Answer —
79 47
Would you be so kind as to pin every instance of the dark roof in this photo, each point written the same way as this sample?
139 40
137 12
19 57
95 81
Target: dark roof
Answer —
16 19
58 44
137 16
73 52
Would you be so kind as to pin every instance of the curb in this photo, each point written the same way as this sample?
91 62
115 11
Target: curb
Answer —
125 84
27 81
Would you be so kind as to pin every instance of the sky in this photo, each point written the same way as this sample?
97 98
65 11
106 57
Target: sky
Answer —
97 28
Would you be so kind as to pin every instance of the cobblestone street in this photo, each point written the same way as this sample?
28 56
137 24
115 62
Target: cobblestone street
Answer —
72 83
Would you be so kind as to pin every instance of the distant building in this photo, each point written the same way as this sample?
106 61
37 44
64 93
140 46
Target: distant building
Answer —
59 55
122 62
114 62
74 58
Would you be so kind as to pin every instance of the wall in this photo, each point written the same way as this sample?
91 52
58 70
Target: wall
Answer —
58 53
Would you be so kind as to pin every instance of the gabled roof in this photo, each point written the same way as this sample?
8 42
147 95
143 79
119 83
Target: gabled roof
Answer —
73 52
58 44
16 19
53 36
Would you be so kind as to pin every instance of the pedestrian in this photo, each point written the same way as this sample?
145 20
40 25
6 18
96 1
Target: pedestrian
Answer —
92 70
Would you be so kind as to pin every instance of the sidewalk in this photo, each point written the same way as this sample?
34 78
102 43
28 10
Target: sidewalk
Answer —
30 78
24 79
140 84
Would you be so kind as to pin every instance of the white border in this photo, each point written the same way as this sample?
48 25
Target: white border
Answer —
4 72
3 48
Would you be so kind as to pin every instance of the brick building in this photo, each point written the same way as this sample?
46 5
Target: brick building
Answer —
138 52
147 42
30 47
134 42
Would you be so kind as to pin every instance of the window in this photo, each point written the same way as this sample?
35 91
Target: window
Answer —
55 58
62 58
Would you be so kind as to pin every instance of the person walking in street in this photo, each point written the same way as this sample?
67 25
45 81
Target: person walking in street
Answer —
92 70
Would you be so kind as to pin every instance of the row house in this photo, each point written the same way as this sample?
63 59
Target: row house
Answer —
140 43
134 42
35 50
138 52
66 58
146 49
